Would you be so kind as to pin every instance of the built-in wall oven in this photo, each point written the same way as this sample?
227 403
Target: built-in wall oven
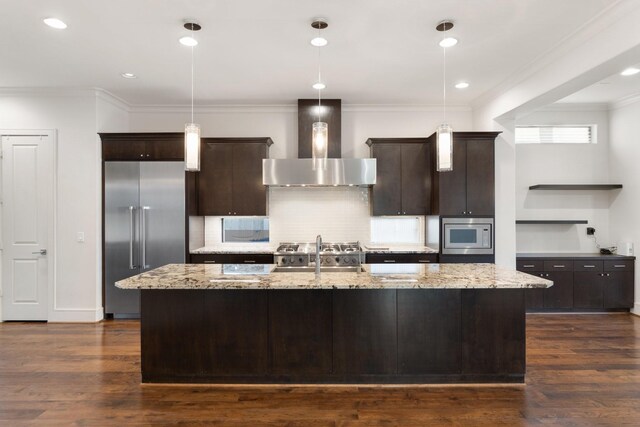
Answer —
467 236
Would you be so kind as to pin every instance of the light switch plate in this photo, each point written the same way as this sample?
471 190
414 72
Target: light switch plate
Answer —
80 237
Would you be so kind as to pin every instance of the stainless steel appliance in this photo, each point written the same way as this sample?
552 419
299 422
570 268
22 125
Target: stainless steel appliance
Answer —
144 225
467 236
346 256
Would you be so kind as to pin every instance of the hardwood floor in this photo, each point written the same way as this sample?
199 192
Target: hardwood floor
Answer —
581 370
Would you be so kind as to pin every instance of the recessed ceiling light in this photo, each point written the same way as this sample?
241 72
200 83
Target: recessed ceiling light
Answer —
319 41
129 76
462 85
448 42
55 23
188 41
630 71
319 86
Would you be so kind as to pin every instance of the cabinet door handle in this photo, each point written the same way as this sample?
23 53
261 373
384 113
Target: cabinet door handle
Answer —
589 266
619 266
528 266
424 260
608 275
470 212
389 260
209 262
558 266
464 212
249 261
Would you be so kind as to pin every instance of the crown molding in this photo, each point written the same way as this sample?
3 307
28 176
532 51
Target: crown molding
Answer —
625 101
112 99
586 31
70 92
574 106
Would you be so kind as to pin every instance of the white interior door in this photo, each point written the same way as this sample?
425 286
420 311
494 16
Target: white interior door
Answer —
27 220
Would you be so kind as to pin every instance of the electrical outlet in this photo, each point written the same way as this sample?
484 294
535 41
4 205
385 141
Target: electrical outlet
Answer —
591 231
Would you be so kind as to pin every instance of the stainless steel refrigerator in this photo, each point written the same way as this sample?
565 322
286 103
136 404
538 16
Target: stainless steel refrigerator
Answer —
144 225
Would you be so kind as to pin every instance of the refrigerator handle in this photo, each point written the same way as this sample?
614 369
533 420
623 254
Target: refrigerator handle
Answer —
131 210
143 228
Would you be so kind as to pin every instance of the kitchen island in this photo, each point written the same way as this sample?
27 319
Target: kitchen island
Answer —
438 323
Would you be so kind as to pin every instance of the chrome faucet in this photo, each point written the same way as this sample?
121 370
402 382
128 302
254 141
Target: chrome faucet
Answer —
318 247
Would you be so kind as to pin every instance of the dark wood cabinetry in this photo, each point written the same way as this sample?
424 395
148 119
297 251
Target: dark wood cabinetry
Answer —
230 177
142 146
237 258
429 340
403 181
581 283
469 189
400 258
333 336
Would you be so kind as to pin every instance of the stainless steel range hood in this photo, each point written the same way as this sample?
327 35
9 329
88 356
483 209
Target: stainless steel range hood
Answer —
301 172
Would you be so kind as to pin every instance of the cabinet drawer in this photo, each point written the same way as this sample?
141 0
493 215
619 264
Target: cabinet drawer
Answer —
558 265
622 265
529 265
595 266
391 258
231 259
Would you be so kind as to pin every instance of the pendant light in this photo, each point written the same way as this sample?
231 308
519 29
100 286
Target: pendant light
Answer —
192 130
444 133
320 129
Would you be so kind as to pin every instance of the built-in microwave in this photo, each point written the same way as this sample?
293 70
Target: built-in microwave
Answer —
467 236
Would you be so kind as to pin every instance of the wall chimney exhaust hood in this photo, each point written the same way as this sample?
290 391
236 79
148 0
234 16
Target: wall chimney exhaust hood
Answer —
301 172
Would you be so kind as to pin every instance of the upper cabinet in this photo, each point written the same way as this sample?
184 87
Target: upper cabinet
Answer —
469 189
142 146
403 180
230 177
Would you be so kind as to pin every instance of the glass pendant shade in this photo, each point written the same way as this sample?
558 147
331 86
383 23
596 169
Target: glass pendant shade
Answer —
444 148
320 143
192 147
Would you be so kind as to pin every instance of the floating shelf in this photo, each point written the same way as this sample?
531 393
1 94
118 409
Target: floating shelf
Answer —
552 221
575 186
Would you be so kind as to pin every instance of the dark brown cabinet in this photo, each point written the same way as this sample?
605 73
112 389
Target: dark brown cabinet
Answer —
400 258
142 146
581 283
403 181
229 258
469 189
230 177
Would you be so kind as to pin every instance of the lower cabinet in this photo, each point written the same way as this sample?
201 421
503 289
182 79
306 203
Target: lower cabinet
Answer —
581 284
238 258
400 258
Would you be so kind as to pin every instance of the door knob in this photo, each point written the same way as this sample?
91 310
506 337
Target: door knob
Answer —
40 252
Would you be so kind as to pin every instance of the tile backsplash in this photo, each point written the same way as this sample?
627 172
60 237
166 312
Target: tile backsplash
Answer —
336 213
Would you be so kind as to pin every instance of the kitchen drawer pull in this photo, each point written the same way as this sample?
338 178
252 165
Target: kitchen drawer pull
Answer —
389 260
558 266
424 260
589 266
619 265
209 262
528 266
249 261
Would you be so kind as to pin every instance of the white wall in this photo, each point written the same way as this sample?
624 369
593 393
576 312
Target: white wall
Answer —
73 114
624 159
563 164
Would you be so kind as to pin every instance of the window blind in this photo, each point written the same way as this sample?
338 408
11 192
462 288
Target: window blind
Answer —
553 134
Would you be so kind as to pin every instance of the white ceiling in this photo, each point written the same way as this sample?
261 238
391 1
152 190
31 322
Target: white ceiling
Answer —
613 88
258 51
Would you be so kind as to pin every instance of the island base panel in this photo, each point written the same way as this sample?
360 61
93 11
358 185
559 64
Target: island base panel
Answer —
387 336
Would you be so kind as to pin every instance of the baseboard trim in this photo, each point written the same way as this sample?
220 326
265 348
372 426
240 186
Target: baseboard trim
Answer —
636 309
76 315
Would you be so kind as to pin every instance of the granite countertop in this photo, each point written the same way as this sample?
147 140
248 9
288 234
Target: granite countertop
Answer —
237 248
596 255
270 248
397 276
399 249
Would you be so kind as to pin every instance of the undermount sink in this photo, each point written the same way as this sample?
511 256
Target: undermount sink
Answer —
311 269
